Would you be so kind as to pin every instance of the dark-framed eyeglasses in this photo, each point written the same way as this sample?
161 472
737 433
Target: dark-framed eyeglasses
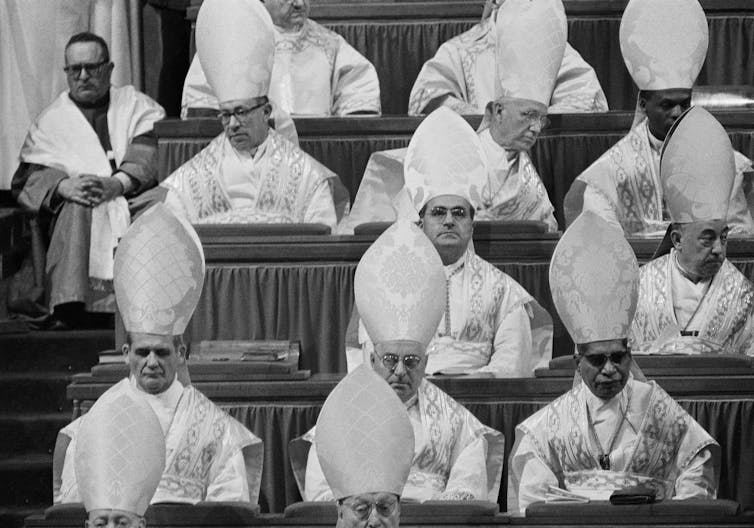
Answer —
599 360
390 361
92 68
241 113
535 117
362 509
439 211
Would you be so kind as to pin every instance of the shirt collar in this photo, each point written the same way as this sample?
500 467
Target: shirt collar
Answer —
169 398
596 404
654 143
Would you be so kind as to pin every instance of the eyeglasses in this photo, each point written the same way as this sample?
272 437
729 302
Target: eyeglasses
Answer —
599 360
535 117
92 68
439 211
390 361
240 113
363 509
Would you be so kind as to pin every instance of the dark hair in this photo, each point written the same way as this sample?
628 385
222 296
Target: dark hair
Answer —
423 211
86 36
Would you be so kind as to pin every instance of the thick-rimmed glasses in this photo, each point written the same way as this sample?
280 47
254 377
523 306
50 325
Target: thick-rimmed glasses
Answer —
362 509
241 113
92 68
390 361
599 360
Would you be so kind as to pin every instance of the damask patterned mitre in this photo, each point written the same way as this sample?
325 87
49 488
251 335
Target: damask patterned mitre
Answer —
159 273
697 168
664 42
530 42
400 286
444 157
364 438
120 455
235 41
594 279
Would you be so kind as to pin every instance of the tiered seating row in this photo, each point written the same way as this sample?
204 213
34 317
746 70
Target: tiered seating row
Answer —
399 37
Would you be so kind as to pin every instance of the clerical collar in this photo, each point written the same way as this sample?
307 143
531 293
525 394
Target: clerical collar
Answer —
452 269
413 400
168 398
654 143
99 103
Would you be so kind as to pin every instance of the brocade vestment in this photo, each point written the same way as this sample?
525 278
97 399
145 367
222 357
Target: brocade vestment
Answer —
456 457
658 445
514 190
464 69
624 186
210 456
280 183
315 73
494 326
719 318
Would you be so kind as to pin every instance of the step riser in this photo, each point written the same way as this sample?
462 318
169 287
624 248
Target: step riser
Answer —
63 353
33 486
30 395
30 436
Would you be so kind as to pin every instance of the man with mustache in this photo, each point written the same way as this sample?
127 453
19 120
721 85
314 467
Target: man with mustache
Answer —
400 293
526 72
664 44
85 155
613 430
316 72
461 74
491 325
250 173
209 456
692 300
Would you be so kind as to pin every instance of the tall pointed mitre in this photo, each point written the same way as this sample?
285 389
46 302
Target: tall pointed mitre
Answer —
664 42
594 279
400 286
444 156
364 438
697 168
235 40
159 273
530 42
120 455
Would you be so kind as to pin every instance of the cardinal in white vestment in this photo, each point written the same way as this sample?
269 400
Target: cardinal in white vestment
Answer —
209 456
119 461
461 74
250 173
400 293
664 44
84 157
515 114
491 325
366 445
613 430
692 300
316 72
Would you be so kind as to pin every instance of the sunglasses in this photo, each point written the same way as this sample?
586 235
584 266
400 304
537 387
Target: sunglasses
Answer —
599 360
390 361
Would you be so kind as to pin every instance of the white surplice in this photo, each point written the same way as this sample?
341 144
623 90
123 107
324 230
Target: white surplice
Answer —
464 69
209 455
658 446
280 183
315 73
456 457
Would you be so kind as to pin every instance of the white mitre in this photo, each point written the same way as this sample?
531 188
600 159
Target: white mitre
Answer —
365 442
697 168
159 273
594 279
235 40
664 42
400 286
120 455
445 156
530 42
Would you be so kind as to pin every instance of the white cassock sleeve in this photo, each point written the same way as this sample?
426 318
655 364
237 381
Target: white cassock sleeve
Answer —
699 479
355 86
528 477
316 487
512 344
321 208
599 204
468 474
228 481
